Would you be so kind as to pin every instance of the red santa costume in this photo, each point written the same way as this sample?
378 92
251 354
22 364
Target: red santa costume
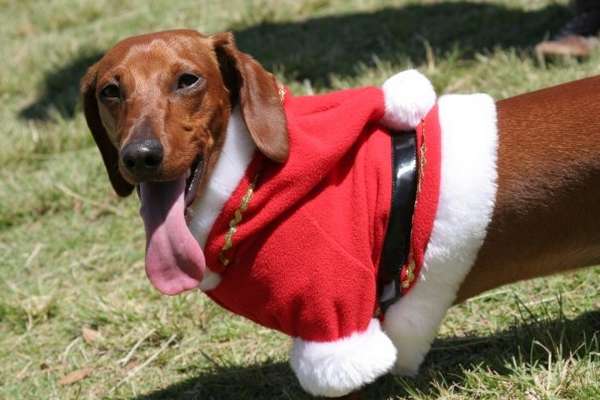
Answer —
296 246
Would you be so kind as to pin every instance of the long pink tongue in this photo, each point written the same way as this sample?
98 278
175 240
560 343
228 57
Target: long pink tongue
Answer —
174 259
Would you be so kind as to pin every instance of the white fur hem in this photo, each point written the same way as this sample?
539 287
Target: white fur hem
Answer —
467 196
334 369
408 97
233 161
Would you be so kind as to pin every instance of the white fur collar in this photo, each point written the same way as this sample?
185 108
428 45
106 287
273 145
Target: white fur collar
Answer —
235 157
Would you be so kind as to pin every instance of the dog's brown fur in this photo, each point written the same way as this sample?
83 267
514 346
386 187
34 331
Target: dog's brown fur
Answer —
547 211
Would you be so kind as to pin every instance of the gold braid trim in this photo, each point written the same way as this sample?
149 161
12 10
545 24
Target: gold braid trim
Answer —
422 159
410 267
281 91
235 221
410 273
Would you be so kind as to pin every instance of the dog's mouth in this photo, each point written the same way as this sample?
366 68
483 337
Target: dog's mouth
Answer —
174 260
192 181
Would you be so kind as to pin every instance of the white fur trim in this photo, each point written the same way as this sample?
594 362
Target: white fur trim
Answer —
233 161
210 280
408 97
333 369
467 197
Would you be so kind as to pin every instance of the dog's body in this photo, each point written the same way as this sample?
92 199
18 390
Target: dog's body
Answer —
157 101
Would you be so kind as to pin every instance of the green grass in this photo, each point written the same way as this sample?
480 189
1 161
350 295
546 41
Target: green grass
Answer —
71 253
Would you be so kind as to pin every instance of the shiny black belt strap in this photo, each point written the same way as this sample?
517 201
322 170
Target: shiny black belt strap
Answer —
396 245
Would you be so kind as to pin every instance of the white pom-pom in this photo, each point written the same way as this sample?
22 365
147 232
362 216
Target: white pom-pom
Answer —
408 96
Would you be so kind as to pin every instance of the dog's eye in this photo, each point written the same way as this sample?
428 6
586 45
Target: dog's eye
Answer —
186 81
111 92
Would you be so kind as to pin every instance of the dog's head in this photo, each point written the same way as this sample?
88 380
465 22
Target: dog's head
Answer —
158 107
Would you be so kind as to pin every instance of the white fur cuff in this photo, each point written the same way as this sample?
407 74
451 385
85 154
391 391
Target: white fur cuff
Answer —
408 97
337 368
466 203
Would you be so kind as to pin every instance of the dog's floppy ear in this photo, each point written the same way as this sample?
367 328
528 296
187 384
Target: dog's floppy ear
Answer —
258 94
110 155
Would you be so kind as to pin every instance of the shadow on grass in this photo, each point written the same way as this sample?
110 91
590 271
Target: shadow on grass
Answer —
60 90
318 47
449 359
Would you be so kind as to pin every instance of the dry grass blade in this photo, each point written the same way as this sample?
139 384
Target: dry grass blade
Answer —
75 376
90 335
134 371
77 196
125 360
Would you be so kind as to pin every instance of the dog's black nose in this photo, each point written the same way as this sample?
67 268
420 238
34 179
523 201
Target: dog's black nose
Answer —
143 157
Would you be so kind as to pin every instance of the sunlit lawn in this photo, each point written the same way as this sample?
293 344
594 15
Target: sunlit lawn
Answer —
78 319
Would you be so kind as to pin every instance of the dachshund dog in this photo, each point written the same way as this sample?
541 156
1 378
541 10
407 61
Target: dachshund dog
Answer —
283 209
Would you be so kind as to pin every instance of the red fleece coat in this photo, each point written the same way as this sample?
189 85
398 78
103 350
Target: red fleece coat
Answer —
298 244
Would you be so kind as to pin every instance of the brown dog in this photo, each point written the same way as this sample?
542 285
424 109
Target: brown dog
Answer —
162 108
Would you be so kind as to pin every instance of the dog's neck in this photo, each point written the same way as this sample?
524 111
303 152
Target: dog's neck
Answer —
231 165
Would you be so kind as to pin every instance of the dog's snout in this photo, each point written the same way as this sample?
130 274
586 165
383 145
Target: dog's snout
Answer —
143 157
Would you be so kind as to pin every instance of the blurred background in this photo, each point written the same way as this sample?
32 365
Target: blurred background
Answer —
78 319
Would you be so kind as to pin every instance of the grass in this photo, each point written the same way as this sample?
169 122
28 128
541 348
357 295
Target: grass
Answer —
73 295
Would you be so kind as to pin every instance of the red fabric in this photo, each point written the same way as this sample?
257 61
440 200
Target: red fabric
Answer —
305 255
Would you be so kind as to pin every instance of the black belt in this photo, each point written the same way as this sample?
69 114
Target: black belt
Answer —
396 245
